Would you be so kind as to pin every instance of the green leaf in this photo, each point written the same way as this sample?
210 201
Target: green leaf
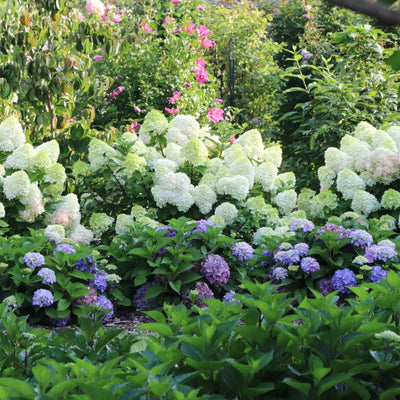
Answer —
162 329
63 304
300 386
331 381
42 375
176 286
390 394
21 387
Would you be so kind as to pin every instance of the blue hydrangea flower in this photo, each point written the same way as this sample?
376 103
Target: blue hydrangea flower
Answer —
105 304
288 257
86 265
359 237
378 252
301 224
42 298
99 282
48 275
66 247
279 273
204 291
243 251
202 226
343 278
325 286
215 269
309 265
301 249
170 232
330 227
377 273
34 260
228 297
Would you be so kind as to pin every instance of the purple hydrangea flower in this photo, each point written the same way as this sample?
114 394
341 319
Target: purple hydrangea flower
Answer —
228 297
359 237
301 224
34 259
68 248
202 226
377 273
378 252
243 251
309 265
325 286
306 54
48 276
330 227
99 282
86 265
279 273
301 249
288 257
60 322
105 304
343 278
215 269
170 232
42 298
270 256
204 291
387 242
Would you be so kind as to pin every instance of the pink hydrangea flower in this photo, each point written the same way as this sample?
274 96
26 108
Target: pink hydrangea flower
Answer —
174 98
215 115
95 7
171 110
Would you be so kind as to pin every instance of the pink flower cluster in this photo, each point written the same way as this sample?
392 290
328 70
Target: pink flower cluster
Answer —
117 91
200 71
215 115
95 7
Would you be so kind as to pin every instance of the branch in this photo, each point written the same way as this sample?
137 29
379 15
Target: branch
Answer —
383 15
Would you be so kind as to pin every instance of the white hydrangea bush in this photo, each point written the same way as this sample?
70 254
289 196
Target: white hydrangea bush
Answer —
362 174
32 182
194 172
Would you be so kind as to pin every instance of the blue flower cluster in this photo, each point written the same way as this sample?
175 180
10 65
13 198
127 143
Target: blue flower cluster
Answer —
301 224
34 260
342 279
215 269
42 298
242 251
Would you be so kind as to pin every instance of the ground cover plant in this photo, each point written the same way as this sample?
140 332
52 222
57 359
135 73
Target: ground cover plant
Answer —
154 157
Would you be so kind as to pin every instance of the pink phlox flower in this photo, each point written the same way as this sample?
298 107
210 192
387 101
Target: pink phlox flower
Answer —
117 91
168 20
177 30
189 29
187 84
148 29
174 98
307 8
98 57
117 19
306 16
95 7
233 139
137 109
171 110
215 115
175 1
206 43
134 125
220 101
200 8
202 31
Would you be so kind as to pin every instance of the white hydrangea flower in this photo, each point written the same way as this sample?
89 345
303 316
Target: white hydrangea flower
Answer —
154 124
187 124
174 135
51 148
304 200
163 167
99 153
21 157
208 179
173 152
235 186
204 198
11 134
214 165
139 148
2 210
138 211
40 160
336 159
257 206
128 137
383 140
266 174
321 205
195 152
364 203
252 144
218 221
80 169
55 174
133 163
80 234
242 166
383 165
284 181
124 221
261 234
146 221
2 173
286 201
387 222
67 211
232 153
273 154
388 335
100 223
152 156
16 185
365 131
394 133
358 150
326 177
348 182
223 172
390 199
228 211
55 233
